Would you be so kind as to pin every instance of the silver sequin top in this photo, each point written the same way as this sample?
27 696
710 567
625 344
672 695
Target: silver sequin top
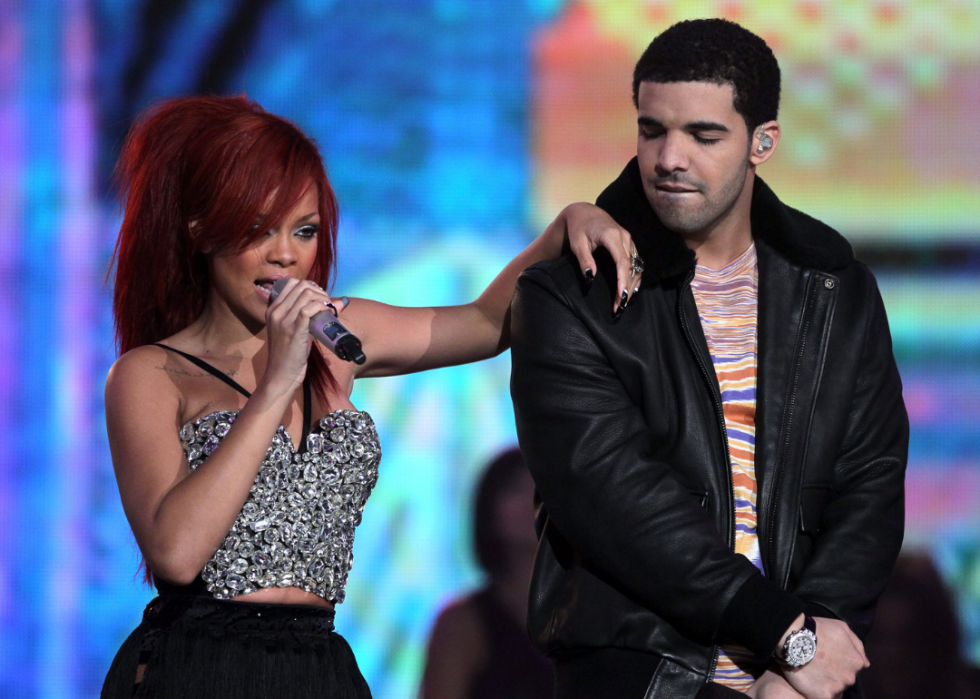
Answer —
296 529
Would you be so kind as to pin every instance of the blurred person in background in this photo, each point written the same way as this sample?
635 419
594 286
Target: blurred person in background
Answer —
914 646
479 647
242 465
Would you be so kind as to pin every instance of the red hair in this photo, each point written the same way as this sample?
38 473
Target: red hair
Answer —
219 163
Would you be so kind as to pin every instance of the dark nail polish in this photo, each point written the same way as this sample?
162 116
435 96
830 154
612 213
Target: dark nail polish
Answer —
618 313
623 300
589 275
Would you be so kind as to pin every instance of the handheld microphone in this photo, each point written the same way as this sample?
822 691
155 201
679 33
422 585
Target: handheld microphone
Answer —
328 330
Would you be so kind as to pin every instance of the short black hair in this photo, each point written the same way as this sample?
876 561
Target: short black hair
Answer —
715 51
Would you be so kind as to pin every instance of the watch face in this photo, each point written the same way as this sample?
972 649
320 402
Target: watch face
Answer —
801 648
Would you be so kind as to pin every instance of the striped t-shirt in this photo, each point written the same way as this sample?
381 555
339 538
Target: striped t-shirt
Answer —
727 301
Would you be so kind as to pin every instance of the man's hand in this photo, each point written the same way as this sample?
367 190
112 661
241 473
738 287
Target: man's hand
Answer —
772 685
840 656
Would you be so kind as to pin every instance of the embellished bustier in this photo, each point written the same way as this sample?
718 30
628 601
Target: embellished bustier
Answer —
296 528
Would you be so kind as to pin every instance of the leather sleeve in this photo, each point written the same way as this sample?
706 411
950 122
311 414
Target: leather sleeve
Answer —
625 513
862 526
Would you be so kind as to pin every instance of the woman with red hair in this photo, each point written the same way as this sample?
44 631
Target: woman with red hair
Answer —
245 530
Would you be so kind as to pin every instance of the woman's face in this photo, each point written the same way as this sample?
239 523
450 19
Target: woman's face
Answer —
242 280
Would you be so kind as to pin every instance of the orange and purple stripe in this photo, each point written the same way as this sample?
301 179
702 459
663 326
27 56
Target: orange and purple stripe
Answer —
727 301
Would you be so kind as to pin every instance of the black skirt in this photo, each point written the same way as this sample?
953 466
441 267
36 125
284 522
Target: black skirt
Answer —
193 646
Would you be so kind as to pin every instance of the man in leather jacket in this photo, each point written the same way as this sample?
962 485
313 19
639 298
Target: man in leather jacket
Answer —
630 421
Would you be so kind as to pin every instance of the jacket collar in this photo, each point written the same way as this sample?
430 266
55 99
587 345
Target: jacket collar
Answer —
801 239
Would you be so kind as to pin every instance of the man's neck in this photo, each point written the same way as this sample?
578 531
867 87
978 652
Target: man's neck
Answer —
717 252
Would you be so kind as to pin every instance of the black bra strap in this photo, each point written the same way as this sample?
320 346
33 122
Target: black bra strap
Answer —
208 368
307 393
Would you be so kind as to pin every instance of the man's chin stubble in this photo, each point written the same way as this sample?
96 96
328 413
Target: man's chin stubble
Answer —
683 222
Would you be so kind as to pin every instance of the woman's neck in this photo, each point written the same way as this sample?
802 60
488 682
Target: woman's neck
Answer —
219 331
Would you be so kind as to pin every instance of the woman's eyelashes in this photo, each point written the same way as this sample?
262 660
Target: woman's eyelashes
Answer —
308 231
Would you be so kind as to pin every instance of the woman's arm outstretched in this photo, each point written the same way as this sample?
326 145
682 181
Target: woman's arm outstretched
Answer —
401 340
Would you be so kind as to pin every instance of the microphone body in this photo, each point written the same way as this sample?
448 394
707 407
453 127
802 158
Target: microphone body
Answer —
328 330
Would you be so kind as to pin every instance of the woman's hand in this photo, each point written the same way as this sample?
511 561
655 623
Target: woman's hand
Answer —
588 227
288 328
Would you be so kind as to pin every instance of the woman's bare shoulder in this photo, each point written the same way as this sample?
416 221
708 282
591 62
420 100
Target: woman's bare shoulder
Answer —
142 375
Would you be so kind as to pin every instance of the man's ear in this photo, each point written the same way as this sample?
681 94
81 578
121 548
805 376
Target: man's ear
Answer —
765 138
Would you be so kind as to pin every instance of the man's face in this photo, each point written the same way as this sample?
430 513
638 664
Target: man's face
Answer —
693 150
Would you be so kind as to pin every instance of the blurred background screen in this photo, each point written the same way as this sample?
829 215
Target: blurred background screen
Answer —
452 132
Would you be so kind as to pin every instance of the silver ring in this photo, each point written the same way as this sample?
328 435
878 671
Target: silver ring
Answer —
636 265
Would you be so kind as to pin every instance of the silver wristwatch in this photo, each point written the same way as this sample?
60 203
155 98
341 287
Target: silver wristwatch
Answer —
800 646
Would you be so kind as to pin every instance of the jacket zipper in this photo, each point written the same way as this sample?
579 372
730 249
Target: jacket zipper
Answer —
790 405
720 414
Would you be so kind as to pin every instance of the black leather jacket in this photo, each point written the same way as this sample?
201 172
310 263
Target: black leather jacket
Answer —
621 424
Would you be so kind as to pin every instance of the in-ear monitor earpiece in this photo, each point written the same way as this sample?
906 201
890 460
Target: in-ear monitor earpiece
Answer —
765 141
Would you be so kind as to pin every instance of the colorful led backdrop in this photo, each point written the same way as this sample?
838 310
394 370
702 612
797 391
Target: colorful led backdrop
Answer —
878 99
452 132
